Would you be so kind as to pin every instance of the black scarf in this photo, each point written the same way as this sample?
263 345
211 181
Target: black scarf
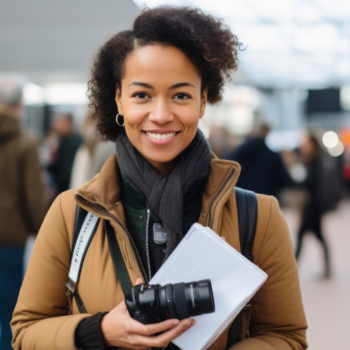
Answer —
164 194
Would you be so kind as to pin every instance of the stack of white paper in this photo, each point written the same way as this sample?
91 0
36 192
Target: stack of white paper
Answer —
202 254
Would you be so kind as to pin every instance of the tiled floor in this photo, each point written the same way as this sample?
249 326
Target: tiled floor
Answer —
326 302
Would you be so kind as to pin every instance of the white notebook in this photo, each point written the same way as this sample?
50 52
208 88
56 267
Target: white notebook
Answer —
202 254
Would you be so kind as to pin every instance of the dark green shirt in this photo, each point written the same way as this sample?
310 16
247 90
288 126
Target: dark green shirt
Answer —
135 212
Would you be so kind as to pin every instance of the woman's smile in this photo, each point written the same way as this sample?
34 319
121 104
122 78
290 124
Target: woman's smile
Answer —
161 137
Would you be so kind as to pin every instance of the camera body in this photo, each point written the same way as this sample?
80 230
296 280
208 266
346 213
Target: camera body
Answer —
155 303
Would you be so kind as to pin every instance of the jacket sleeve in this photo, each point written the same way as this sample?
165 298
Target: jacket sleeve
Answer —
34 203
40 319
278 318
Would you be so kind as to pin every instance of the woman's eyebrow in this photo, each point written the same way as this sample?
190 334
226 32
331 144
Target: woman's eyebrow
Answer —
149 86
180 85
139 83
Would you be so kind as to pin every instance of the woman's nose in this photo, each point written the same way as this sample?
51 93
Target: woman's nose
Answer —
161 113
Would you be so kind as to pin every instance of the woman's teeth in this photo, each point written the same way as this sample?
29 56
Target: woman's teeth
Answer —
160 136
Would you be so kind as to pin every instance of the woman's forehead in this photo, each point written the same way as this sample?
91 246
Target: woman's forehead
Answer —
159 64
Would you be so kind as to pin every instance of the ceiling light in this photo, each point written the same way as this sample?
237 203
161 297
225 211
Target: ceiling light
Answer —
308 13
337 150
319 37
66 94
330 139
335 9
33 94
275 10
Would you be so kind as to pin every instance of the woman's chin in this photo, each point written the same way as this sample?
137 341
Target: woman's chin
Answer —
162 158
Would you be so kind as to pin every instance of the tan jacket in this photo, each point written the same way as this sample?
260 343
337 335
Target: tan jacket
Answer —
22 197
41 320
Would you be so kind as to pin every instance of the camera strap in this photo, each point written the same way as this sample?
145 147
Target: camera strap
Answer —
84 231
85 228
118 260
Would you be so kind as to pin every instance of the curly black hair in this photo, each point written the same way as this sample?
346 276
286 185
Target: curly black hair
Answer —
206 41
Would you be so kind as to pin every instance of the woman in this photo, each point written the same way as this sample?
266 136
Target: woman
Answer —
318 202
149 88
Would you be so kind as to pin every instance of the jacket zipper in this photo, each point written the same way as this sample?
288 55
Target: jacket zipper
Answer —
103 211
217 194
147 244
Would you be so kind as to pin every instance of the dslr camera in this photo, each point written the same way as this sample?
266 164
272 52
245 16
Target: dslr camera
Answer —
155 303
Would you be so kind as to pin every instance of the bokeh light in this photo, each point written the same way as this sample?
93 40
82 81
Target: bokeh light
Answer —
337 150
330 139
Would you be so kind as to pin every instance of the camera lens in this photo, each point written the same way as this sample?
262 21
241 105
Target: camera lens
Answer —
183 300
206 297
154 303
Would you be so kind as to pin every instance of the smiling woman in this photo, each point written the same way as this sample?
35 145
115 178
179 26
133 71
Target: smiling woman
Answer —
149 88
162 102
201 39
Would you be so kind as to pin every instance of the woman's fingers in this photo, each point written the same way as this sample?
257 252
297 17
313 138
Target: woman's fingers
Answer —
138 341
139 281
162 340
154 328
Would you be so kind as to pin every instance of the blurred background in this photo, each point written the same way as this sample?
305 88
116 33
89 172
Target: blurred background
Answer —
288 106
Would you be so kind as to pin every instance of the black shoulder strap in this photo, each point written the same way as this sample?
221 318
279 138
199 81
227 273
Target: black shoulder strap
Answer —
247 212
118 261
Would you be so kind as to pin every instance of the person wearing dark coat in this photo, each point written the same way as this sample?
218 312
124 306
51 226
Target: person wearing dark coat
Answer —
22 200
61 168
323 195
263 171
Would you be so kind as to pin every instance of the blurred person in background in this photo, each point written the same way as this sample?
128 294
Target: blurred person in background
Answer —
22 200
222 142
91 155
263 171
69 142
323 186
48 154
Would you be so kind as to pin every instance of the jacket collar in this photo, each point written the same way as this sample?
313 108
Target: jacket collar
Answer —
105 188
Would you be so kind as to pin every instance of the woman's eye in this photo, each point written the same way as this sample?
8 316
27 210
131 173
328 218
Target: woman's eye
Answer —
140 95
182 97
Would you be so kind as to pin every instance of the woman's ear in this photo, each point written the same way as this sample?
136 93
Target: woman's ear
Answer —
203 102
118 98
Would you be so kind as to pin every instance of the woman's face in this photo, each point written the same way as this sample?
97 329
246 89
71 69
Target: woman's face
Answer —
161 103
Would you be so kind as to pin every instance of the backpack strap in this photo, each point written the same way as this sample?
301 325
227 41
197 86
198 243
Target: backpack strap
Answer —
247 212
84 230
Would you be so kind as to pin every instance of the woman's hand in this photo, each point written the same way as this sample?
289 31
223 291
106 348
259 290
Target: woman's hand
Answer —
120 330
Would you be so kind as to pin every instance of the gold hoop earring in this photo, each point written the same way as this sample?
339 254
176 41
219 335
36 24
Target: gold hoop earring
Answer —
116 119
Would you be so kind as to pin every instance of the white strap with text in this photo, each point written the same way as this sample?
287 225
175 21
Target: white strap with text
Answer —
87 230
